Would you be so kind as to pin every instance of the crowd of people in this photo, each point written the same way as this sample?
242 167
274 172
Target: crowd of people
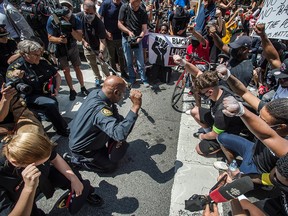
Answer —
114 35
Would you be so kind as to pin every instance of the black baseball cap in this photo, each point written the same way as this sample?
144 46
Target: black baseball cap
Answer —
73 203
242 41
281 72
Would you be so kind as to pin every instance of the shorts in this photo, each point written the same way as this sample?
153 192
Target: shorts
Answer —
208 146
73 56
206 117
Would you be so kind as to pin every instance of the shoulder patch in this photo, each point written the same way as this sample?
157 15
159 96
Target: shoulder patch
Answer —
9 74
106 112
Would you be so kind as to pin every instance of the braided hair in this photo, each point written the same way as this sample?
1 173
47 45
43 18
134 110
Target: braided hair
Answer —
278 110
282 166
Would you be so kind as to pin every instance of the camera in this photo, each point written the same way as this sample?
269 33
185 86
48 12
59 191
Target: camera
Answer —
19 86
196 202
65 27
132 41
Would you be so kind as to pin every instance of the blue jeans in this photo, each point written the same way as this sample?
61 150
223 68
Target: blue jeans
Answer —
138 53
243 147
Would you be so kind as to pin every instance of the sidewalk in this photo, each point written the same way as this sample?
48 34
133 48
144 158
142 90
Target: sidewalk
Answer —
197 175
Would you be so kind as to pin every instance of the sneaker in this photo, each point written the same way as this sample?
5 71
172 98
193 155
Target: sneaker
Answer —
146 85
196 135
72 96
94 199
220 165
84 91
97 83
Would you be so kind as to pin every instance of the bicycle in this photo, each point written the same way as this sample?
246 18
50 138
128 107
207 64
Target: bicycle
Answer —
186 80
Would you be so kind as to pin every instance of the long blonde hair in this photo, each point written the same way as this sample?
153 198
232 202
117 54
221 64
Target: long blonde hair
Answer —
27 148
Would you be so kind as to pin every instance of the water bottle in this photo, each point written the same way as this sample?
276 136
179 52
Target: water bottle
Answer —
233 169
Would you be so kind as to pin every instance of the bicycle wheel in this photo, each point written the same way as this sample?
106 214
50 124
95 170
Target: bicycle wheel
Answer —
178 89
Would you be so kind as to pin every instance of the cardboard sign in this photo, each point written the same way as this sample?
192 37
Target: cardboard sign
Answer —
275 16
163 47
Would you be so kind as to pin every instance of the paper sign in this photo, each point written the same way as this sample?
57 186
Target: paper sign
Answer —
275 16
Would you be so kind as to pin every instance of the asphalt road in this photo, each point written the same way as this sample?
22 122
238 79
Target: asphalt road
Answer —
143 182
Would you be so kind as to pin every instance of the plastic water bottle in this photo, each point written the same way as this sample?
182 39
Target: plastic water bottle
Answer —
233 169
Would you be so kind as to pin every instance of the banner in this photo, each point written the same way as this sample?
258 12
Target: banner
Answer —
163 47
275 16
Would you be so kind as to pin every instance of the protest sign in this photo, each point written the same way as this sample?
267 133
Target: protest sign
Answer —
275 16
163 47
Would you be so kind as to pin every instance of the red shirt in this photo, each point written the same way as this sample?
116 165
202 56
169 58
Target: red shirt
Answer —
200 51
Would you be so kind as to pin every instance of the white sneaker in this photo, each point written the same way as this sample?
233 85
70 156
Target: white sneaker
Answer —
220 165
188 112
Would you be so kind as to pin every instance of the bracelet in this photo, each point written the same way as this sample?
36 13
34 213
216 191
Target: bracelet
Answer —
265 179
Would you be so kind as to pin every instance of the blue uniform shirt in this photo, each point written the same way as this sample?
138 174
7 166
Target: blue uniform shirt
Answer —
96 122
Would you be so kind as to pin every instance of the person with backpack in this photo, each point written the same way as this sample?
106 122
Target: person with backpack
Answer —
178 22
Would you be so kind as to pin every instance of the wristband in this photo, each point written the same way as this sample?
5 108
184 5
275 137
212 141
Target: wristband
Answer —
182 62
265 179
241 111
225 78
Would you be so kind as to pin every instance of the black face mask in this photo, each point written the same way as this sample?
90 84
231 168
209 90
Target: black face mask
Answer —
203 96
195 43
235 53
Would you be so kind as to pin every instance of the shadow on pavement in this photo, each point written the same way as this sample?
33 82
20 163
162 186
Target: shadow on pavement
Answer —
138 158
126 205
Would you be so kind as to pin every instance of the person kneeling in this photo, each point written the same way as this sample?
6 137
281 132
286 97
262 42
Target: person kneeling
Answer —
29 167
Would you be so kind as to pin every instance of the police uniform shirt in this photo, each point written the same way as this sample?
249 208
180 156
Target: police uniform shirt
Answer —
96 122
35 74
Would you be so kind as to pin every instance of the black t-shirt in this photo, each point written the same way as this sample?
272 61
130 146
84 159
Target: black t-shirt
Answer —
133 20
93 31
264 158
110 12
242 70
222 122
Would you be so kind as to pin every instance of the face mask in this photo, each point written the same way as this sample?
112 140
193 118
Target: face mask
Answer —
90 17
235 53
195 43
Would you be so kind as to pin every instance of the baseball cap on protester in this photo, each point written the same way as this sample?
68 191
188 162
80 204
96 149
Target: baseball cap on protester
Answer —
242 41
66 2
73 203
281 72
3 31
